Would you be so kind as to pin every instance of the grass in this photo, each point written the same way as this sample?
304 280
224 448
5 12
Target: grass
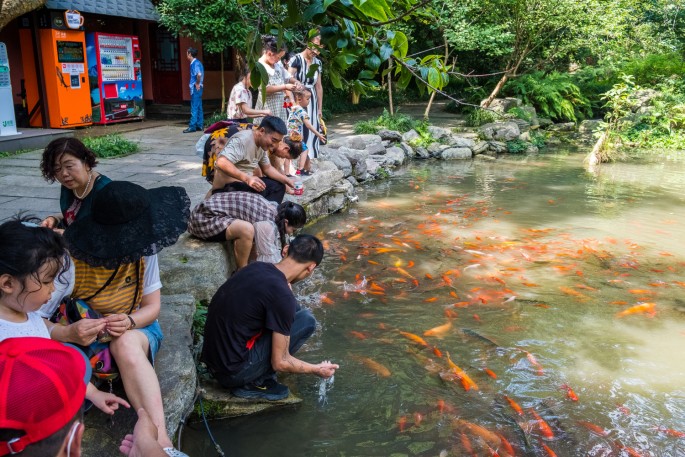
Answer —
4 154
109 146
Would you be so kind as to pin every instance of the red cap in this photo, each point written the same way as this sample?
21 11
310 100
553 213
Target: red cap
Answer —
42 387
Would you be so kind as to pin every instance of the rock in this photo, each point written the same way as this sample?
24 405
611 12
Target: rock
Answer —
175 370
355 141
531 114
438 132
480 147
352 181
339 159
220 404
358 160
375 148
436 148
395 156
543 122
387 143
503 105
422 153
326 177
461 142
523 125
410 135
643 98
408 150
562 127
591 125
500 131
456 154
390 135
486 157
531 149
525 136
372 166
209 258
497 147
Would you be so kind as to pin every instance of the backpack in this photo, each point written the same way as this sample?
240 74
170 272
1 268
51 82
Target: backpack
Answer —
217 131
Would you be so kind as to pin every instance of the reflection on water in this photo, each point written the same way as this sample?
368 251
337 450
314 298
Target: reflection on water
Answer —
557 294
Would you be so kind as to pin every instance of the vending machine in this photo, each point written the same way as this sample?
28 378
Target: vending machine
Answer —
115 79
60 50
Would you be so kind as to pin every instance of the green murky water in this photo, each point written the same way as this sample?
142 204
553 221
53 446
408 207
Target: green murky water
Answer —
530 269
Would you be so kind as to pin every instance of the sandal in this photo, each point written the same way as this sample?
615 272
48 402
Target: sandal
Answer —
306 172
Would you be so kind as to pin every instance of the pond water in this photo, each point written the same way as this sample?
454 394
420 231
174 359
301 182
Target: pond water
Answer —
552 290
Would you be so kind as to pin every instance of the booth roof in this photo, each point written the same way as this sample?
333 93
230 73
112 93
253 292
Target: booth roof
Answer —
135 9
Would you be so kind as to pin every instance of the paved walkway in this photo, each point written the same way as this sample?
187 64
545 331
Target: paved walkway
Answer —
167 157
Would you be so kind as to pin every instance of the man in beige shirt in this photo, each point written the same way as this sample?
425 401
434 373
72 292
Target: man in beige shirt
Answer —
247 150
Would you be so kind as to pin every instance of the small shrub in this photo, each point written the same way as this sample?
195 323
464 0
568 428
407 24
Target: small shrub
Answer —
199 318
520 113
214 118
13 153
478 117
362 127
108 146
517 146
399 122
538 139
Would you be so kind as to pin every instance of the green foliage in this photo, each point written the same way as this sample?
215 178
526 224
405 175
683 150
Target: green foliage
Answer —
517 146
215 117
425 138
554 95
399 122
13 153
477 117
538 139
520 113
108 146
199 318
654 68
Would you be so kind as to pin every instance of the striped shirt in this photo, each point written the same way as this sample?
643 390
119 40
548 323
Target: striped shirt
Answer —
242 151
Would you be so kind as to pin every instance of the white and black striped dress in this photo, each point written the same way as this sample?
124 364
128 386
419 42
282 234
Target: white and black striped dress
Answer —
300 63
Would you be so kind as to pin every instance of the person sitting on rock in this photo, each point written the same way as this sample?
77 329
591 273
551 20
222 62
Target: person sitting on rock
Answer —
244 217
255 325
246 150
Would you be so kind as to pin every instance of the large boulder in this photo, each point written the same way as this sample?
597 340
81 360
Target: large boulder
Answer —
480 147
461 142
375 148
336 157
211 259
562 127
358 160
408 150
436 148
500 131
503 105
411 135
456 154
355 141
325 178
395 156
544 122
523 125
422 153
372 166
390 135
591 125
497 147
438 132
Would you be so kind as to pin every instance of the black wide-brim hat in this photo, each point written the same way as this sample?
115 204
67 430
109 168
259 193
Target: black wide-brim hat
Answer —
128 222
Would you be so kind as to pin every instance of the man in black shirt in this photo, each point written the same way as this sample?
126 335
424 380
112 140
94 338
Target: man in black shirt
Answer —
254 325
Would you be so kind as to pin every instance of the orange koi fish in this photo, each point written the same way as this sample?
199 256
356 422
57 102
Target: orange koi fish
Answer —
548 450
466 381
451 314
543 426
439 331
373 262
376 287
418 418
428 276
618 302
402 423
385 250
326 300
454 294
671 432
356 237
410 264
596 429
629 450
414 338
531 358
490 373
403 272
358 335
569 392
486 435
646 308
641 291
573 293
466 443
515 406
431 300
447 280
437 352
506 445
441 406
379 369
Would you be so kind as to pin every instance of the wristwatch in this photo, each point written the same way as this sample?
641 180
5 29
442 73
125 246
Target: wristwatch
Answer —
133 323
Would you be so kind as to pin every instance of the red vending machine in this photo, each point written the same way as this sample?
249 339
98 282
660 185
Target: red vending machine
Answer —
115 78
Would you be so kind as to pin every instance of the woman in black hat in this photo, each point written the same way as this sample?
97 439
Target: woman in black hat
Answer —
114 250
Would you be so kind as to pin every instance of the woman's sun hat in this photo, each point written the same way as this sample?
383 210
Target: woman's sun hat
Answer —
128 222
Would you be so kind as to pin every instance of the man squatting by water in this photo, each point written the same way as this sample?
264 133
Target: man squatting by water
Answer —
252 331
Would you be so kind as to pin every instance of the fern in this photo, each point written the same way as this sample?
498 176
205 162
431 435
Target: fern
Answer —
554 95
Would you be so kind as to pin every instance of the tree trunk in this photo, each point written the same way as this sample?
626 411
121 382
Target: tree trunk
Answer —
223 85
392 108
486 103
430 102
595 157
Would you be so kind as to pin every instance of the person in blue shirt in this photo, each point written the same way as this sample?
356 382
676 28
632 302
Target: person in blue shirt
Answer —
197 77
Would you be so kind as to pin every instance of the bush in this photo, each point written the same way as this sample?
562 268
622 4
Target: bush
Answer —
477 117
517 146
654 68
425 138
554 95
400 122
108 146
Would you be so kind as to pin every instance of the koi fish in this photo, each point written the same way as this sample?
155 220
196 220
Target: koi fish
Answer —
358 335
466 381
454 294
447 280
466 443
437 352
569 392
543 426
671 432
515 406
596 429
548 450
475 265
506 444
403 272
373 262
441 406
490 373
438 331
410 264
641 291
531 358
431 300
356 237
646 308
326 300
486 435
451 314
385 250
414 338
618 302
402 423
418 418
572 292
379 369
